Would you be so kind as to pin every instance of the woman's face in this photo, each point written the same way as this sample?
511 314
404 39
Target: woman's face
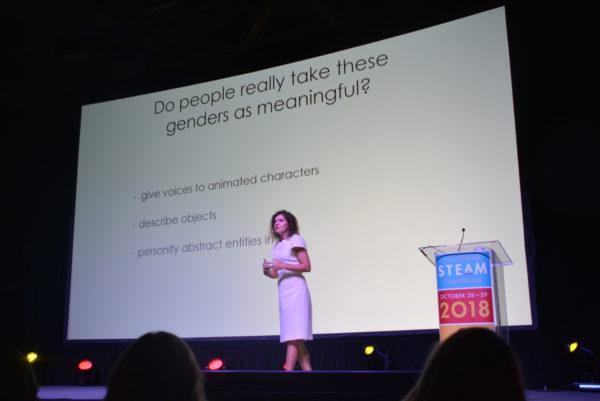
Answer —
280 226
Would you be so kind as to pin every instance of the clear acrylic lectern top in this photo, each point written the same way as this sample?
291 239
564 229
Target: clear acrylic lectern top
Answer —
501 259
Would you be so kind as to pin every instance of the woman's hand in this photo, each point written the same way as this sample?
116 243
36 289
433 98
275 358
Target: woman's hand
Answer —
269 270
276 264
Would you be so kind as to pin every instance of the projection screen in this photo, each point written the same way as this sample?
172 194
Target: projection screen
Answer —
377 150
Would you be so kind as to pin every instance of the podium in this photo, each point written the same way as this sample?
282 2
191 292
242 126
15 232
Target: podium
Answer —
470 286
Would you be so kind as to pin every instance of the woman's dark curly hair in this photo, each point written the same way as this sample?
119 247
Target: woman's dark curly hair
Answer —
291 220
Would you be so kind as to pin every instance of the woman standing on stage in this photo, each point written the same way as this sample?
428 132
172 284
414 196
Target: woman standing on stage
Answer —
289 260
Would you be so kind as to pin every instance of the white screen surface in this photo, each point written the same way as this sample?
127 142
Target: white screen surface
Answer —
402 150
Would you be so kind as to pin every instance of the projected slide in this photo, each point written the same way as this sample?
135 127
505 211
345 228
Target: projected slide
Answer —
377 150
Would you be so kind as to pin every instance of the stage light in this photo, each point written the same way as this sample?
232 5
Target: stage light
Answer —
574 346
588 386
86 373
585 366
85 365
31 357
377 359
216 364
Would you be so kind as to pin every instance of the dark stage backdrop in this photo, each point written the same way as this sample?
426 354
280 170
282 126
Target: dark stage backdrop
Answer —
64 56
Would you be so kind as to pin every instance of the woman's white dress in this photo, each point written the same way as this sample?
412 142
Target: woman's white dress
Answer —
295 311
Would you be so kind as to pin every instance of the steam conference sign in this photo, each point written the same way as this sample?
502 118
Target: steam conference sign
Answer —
465 291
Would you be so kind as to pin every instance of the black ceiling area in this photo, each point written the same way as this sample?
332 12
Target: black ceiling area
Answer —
61 55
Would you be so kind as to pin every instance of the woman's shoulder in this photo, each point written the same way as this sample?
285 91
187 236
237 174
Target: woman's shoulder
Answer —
296 237
297 241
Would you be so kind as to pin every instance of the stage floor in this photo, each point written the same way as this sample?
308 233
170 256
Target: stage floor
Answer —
300 386
98 392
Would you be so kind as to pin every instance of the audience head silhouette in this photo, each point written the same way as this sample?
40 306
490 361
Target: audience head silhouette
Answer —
158 366
472 364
